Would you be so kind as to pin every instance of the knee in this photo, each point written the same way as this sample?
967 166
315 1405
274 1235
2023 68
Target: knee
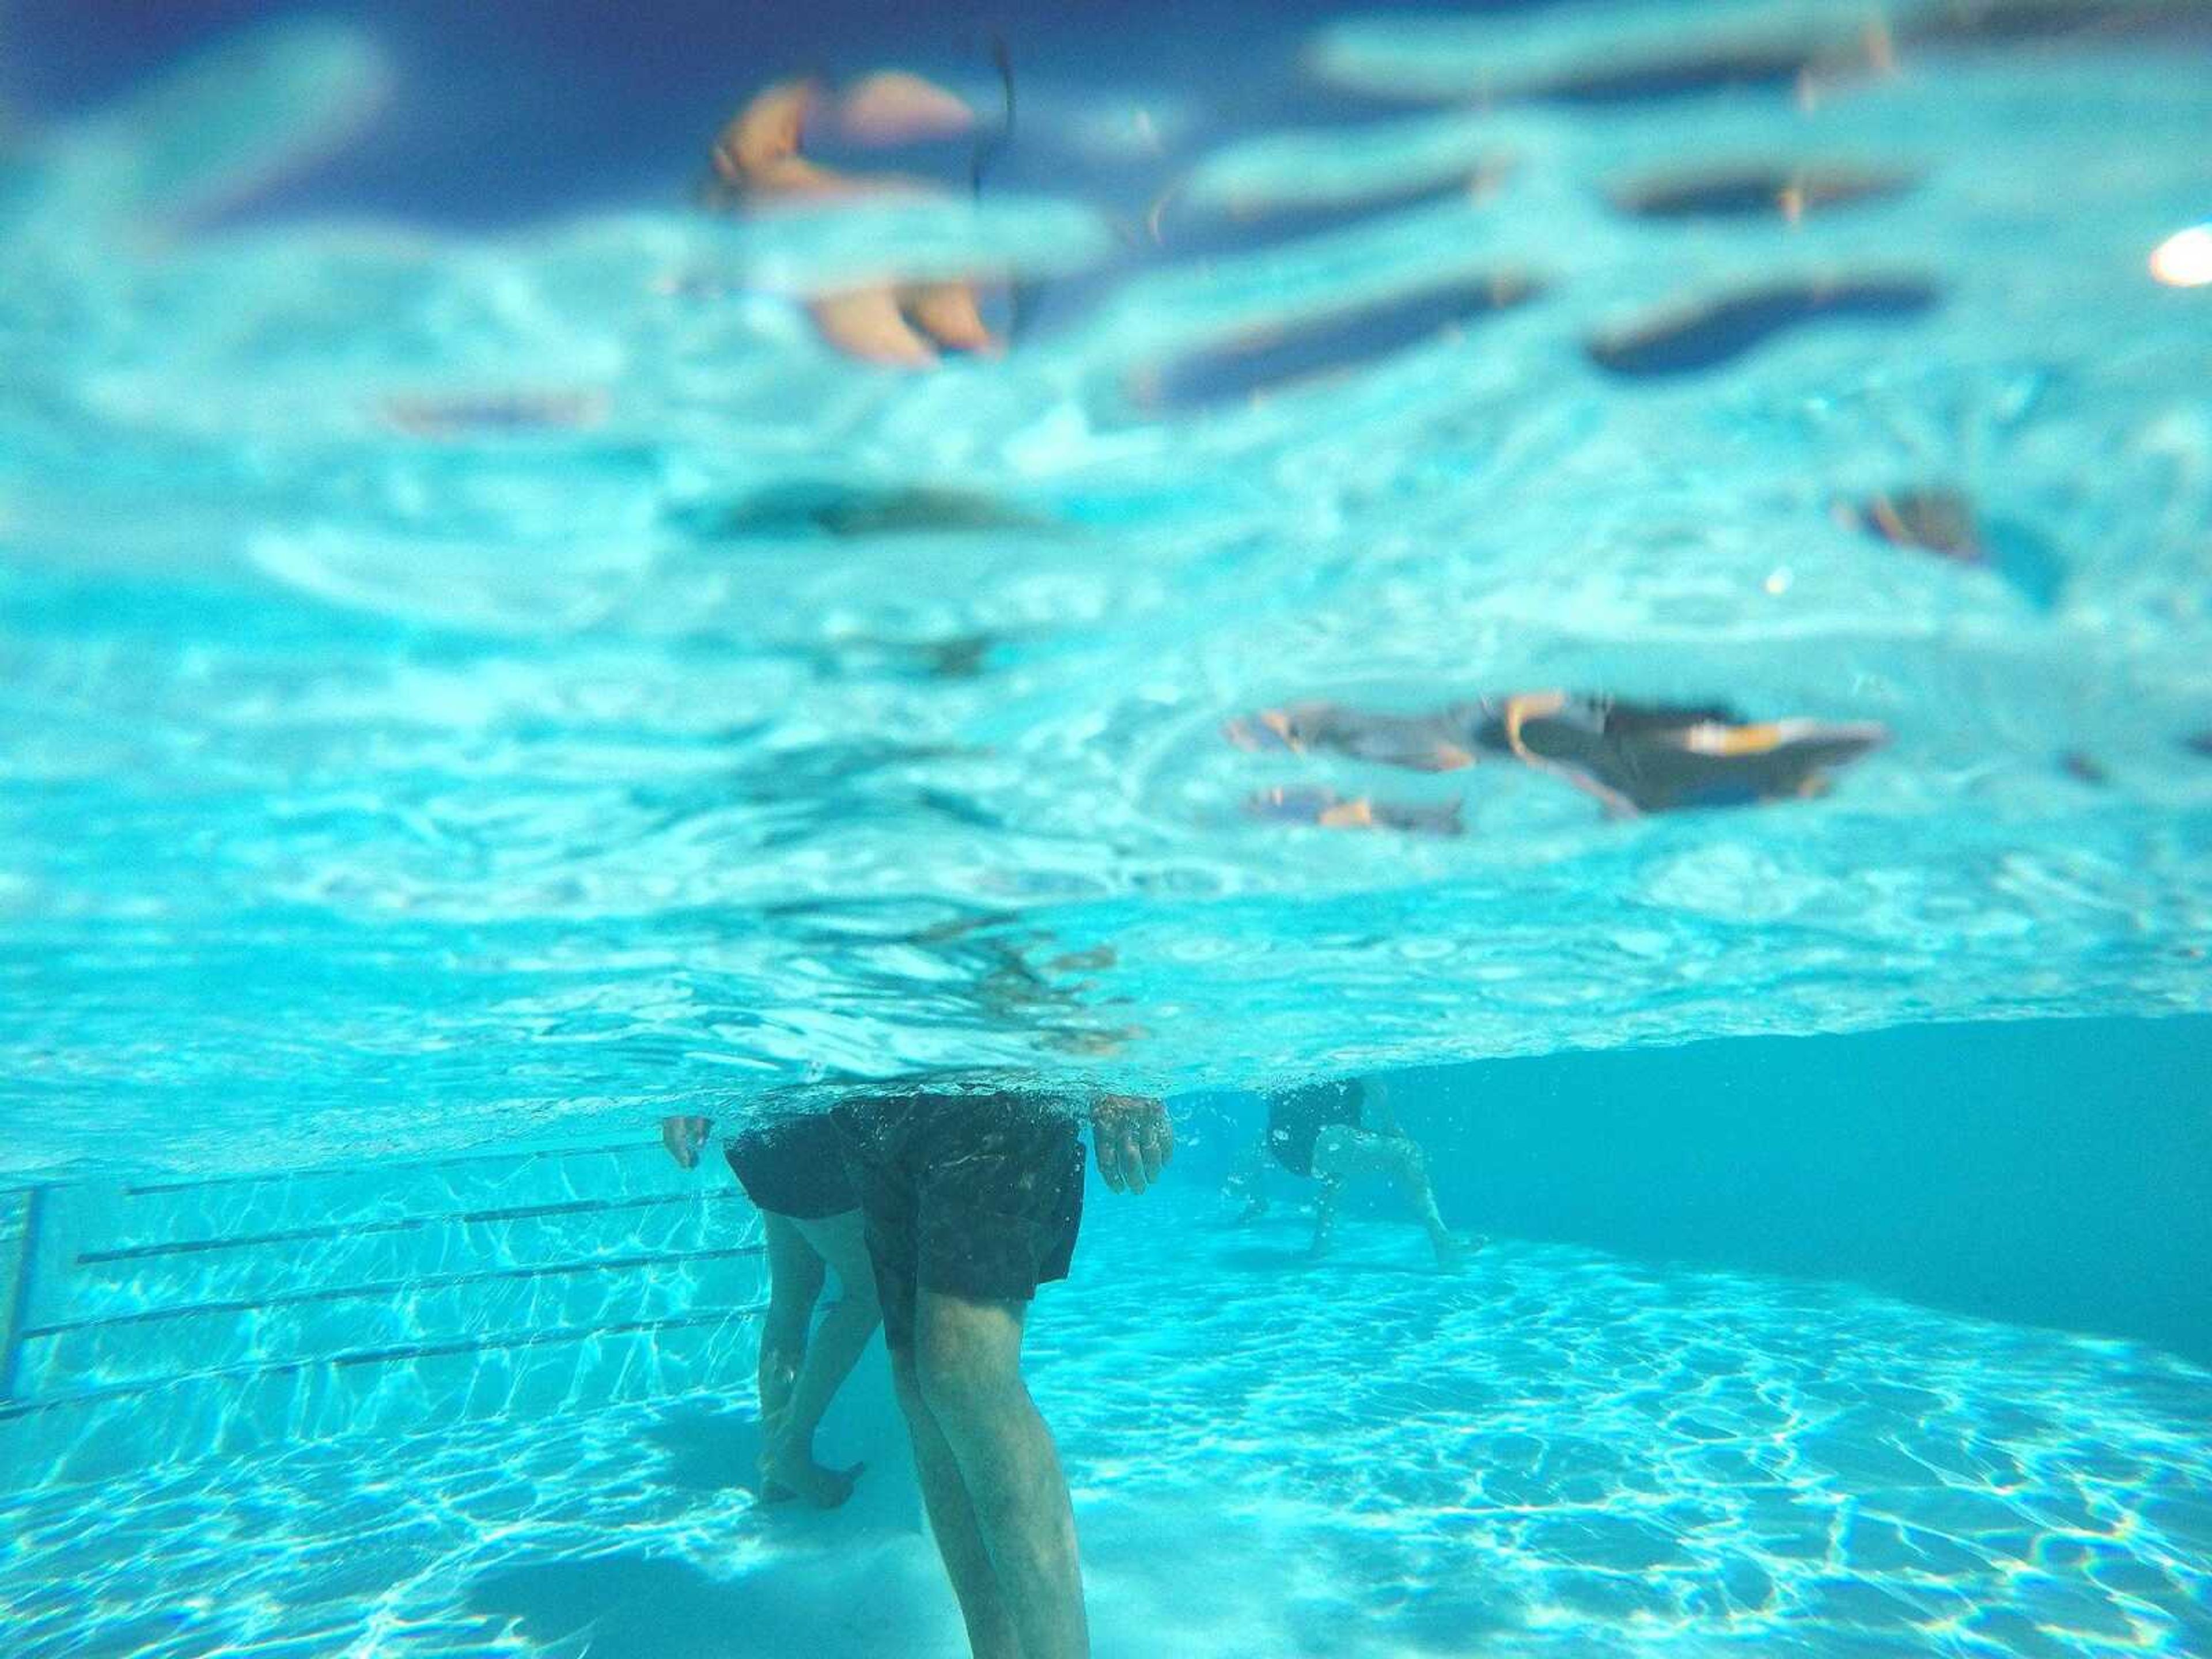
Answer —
959 1373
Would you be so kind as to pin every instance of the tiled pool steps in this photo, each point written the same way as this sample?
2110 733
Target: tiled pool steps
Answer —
175 1318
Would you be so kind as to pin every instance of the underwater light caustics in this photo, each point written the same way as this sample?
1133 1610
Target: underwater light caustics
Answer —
2184 259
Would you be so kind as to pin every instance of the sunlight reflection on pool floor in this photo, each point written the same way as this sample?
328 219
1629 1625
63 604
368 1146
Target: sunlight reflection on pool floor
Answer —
1558 1452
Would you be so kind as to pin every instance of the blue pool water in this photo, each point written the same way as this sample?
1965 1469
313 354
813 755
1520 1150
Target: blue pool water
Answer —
1689 1399
478 673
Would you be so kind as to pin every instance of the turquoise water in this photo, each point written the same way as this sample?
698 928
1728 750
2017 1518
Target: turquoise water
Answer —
1731 1378
465 694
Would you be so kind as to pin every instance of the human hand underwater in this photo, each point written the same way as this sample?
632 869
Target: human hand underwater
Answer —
1133 1140
684 1136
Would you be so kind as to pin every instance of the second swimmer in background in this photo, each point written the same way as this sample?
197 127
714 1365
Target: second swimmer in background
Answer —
1333 1133
794 1170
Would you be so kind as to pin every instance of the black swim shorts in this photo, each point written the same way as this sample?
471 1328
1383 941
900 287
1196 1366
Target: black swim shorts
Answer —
794 1166
1296 1118
973 1195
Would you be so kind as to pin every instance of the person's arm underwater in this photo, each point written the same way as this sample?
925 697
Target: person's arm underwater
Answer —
684 1136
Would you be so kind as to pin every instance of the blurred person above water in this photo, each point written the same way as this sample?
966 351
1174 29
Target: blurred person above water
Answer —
1632 758
760 167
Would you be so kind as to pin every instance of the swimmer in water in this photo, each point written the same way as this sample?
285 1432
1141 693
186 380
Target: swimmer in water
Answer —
1333 1133
1632 757
759 165
973 1201
794 1170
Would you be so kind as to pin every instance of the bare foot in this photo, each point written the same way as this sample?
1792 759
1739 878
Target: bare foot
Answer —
795 1474
1454 1249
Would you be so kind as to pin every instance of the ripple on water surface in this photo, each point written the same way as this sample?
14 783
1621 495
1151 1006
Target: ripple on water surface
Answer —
463 670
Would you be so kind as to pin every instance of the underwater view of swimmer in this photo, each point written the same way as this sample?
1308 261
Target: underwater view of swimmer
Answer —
1333 1133
1419 795
795 1174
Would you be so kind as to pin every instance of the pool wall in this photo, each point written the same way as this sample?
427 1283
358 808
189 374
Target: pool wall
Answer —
2048 1173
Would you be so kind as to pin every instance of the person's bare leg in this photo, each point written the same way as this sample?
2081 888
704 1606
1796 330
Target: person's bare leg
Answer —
1340 1152
1324 1232
1250 1180
968 1361
831 1353
952 1522
1410 1168
794 1285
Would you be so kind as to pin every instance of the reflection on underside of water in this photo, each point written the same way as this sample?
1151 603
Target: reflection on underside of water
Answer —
538 673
